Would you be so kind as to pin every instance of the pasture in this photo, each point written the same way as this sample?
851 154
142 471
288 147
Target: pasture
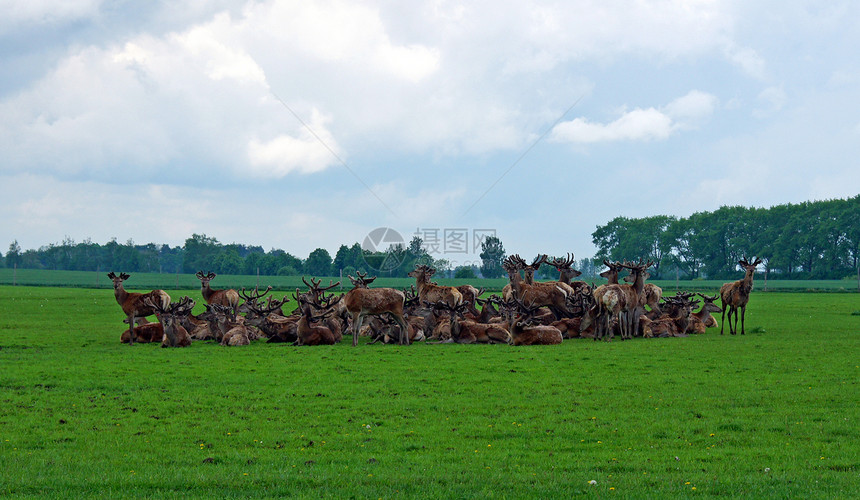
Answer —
773 413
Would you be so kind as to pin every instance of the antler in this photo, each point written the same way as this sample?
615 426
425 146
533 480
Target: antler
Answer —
540 259
256 296
565 263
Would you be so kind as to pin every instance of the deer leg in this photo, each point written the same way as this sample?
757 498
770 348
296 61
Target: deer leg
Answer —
404 337
743 313
357 319
723 322
131 335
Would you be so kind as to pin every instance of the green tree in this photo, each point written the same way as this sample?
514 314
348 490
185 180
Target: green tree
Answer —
492 254
467 272
318 263
199 253
13 256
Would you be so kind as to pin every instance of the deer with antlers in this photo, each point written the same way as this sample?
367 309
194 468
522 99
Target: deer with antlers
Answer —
175 335
549 295
521 330
227 297
432 293
736 295
134 304
269 316
310 329
465 331
702 319
362 301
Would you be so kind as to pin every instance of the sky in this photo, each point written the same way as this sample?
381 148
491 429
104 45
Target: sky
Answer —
301 125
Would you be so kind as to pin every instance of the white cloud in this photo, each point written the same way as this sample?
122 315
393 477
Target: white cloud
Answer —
640 124
313 151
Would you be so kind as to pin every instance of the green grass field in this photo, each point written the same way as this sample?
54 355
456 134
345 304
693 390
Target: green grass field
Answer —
773 413
148 281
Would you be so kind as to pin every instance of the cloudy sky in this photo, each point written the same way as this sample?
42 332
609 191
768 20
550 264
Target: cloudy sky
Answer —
297 125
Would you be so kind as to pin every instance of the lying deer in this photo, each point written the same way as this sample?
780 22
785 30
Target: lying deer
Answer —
175 335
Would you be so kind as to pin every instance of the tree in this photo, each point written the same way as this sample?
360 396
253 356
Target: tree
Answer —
13 256
318 263
200 251
467 272
492 254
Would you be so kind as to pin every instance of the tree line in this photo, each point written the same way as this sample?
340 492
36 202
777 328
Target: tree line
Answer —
202 252
809 240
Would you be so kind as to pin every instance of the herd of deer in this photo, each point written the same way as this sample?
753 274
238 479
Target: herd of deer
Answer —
526 313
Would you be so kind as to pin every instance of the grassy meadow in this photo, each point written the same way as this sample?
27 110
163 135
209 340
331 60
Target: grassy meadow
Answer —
773 413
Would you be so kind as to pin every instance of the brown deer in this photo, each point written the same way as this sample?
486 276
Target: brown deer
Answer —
310 330
133 304
736 295
464 331
651 294
539 294
702 319
227 329
175 335
524 334
269 317
361 301
528 272
227 297
428 292
143 334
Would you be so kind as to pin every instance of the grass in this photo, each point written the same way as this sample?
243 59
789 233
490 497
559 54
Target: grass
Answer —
769 414
148 281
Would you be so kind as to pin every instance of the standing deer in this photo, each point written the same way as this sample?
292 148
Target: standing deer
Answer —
228 297
361 301
133 304
429 292
736 295
550 295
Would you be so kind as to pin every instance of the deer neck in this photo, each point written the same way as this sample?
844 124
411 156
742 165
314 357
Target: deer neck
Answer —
747 282
563 277
120 294
206 290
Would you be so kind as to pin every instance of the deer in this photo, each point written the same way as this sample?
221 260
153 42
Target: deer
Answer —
566 273
361 301
736 295
523 334
269 317
148 332
228 297
676 318
133 304
528 272
652 294
702 319
225 327
428 292
540 294
175 335
309 329
464 331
